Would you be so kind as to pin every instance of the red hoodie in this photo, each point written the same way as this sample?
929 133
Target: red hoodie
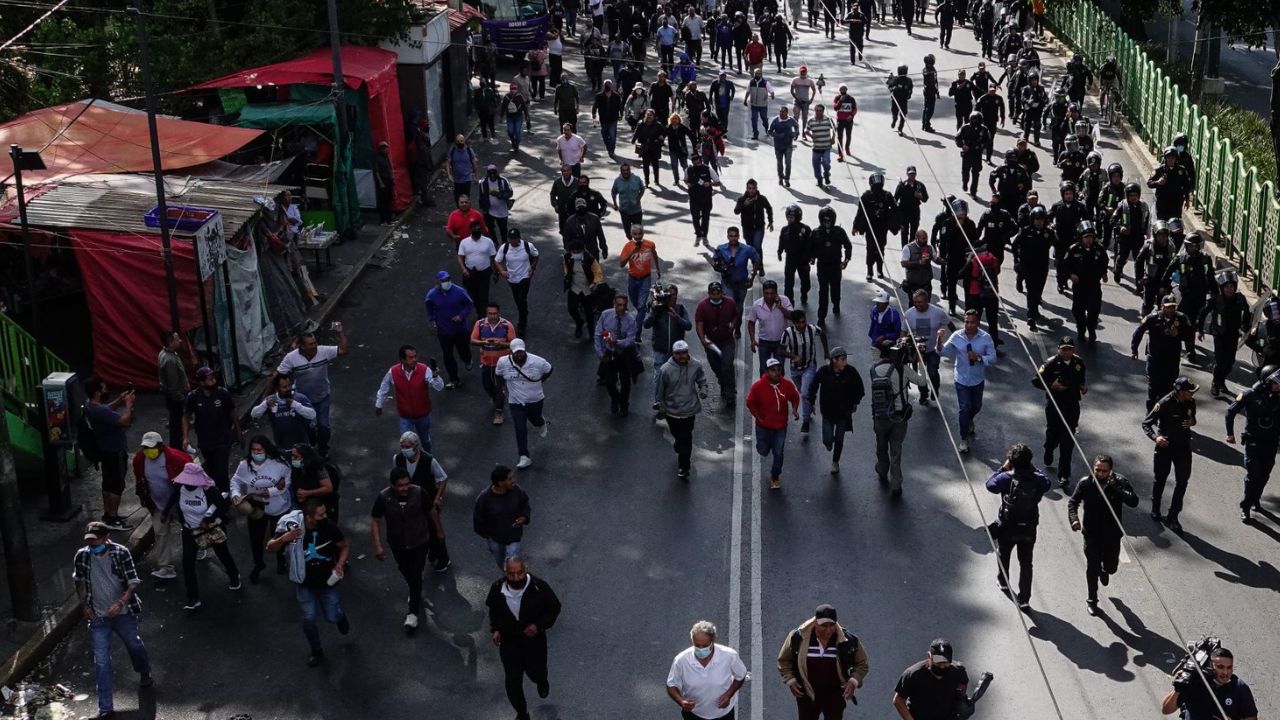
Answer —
768 402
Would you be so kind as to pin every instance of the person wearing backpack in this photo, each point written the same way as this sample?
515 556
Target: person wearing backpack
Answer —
834 667
890 412
1020 486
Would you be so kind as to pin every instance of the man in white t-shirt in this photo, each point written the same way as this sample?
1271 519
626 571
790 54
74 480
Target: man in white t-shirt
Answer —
524 374
308 365
516 261
705 678
475 260
571 149
930 326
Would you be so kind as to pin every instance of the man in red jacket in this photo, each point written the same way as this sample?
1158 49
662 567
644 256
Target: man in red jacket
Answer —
155 465
767 402
410 383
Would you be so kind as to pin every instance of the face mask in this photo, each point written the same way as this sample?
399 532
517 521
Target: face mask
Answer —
259 457
151 453
407 452
296 463
716 301
476 234
98 549
702 653
1180 148
446 286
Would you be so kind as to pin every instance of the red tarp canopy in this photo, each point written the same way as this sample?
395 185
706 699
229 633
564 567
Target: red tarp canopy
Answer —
85 137
371 68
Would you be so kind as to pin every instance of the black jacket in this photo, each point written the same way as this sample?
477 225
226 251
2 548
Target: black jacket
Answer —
1097 519
797 242
494 514
838 394
539 606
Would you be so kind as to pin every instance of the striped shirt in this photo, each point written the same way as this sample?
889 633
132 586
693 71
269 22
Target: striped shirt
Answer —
823 133
803 343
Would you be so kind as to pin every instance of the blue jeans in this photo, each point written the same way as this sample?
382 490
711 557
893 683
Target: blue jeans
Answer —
501 552
803 378
609 133
313 602
759 116
322 425
420 425
100 629
679 165
768 349
521 416
772 442
969 398
755 238
515 128
783 156
822 164
638 293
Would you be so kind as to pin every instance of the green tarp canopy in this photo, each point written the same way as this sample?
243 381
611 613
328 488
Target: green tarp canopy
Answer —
320 118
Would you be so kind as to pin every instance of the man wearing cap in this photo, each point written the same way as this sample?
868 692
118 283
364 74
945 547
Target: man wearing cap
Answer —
1165 329
767 321
928 690
719 325
106 581
211 412
412 382
803 89
581 229
823 665
973 351
837 389
155 465
886 321
767 401
1169 424
448 307
1261 407
680 388
524 373
516 261
496 198
108 428
1062 378
384 181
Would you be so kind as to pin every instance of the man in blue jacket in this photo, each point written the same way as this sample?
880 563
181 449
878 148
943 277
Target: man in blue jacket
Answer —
886 321
448 306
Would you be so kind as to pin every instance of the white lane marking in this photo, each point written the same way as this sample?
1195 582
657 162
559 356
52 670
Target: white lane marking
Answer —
757 622
735 532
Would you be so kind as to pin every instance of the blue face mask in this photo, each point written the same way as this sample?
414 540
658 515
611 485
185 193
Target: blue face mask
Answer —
98 549
702 653
296 463
407 452
259 457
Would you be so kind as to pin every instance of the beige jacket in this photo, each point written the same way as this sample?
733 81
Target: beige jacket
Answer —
852 662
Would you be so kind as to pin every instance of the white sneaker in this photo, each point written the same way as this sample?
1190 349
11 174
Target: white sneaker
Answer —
542 431
835 467
411 621
525 461
963 447
164 573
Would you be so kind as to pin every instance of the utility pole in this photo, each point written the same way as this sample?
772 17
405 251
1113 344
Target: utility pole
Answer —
13 533
166 252
339 87
27 160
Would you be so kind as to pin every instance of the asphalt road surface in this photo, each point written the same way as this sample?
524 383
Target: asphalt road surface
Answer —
637 556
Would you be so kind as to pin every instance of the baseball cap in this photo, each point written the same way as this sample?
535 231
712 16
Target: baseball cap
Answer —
152 439
1067 341
838 351
941 651
881 297
96 530
1184 383
1169 300
715 286
773 362
911 169
442 275
517 345
491 166
824 614
679 346
204 372
515 232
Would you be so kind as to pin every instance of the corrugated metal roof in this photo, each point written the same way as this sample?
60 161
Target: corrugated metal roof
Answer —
121 208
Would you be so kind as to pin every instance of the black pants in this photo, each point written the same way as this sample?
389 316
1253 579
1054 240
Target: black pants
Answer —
652 161
991 131
828 287
844 134
701 220
1057 434
988 37
1086 304
384 196
1024 541
411 562
581 309
258 531
555 66
497 228
629 219
1191 307
944 35
175 408
216 461
930 101
1101 557
1224 358
962 114
522 656
686 715
950 277
682 434
486 124
970 169
1031 122
855 50
985 306
1160 377
477 283
537 86
694 48
1177 457
876 240
910 224
791 269
451 344
826 705
1033 282
897 113
460 188
616 374
520 293
189 576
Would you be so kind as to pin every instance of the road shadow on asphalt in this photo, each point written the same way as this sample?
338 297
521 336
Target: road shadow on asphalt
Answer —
1236 569
1079 648
1151 649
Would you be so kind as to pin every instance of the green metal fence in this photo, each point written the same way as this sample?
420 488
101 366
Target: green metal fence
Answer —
1242 209
24 363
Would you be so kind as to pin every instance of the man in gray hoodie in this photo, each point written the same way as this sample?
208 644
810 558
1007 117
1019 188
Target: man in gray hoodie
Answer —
681 388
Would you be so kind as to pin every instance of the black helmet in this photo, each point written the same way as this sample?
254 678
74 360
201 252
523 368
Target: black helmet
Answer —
975 117
1227 276
1066 185
1072 142
902 69
1059 92
1111 58
1009 158
1085 228
1039 213
1160 227
876 179
1073 107
794 209
1180 139
1093 157
1170 151
1024 63
1033 76
1114 168
1082 127
1175 225
1267 371
827 215
929 59
1131 188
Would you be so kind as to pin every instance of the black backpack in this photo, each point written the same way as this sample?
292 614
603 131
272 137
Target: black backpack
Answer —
1019 506
87 440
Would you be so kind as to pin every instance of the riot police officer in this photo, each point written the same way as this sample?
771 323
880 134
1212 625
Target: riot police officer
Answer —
954 237
1093 181
1031 259
1087 265
1191 273
795 241
1026 157
1066 215
1166 330
1169 424
831 252
973 139
1062 378
1010 181
1059 125
1113 193
1034 102
910 195
1072 162
1185 160
1129 220
991 107
1079 77
982 81
1264 337
961 92
1226 317
900 90
1152 266
876 218
1083 130
997 227
930 80
1172 185
1261 407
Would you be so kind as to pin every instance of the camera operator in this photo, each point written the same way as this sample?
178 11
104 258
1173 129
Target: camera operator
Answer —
891 410
1191 691
670 321
929 689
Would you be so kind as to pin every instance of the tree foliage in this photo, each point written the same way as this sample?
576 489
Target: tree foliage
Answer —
89 48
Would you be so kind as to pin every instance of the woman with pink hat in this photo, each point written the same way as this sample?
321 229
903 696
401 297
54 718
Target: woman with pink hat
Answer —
202 510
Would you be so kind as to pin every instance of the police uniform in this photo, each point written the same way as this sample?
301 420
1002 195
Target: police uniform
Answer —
1261 439
1072 163
1066 217
1031 256
1129 223
997 227
831 250
1171 195
909 205
1152 265
1059 428
1012 182
954 250
875 218
1164 340
930 80
972 140
1087 263
1034 100
795 240
1192 274
1225 318
1172 419
1264 339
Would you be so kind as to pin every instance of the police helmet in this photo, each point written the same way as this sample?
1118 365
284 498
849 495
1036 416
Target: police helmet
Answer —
1073 107
1111 58
1085 228
1131 188
1094 157
876 179
1269 370
1059 92
1033 76
1195 239
1272 377
1066 185
960 207
1160 227
1010 158
1073 142
1024 63
1039 213
902 69
1175 225
1082 127
1227 277
1114 168
827 215
794 210
929 59
1180 139
1170 151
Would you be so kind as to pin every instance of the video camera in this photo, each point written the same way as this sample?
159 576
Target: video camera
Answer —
966 705
904 351
1198 662
660 294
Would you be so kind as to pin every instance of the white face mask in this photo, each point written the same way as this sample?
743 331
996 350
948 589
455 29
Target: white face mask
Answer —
446 286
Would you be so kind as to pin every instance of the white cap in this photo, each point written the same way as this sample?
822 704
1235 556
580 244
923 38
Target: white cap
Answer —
517 345
773 362
679 346
881 297
152 439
